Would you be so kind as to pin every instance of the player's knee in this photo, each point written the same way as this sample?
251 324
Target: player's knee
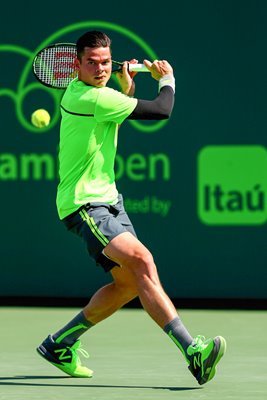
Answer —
143 266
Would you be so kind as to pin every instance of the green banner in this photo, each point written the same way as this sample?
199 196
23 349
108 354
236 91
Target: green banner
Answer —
195 186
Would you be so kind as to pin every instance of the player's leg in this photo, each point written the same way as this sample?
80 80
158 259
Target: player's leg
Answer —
91 224
111 297
135 258
128 251
202 356
61 348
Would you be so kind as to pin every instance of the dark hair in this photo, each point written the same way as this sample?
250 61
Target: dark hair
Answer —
92 39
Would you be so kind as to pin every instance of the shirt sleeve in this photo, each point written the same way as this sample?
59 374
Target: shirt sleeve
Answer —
113 106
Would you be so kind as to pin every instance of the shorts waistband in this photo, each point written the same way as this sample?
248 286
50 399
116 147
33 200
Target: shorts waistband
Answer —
70 217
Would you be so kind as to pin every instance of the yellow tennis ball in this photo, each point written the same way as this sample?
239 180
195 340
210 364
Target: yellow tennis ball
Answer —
40 118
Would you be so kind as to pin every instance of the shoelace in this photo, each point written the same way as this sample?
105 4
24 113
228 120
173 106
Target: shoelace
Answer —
199 340
83 352
197 345
77 346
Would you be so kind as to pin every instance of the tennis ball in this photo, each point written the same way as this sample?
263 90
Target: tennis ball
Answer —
40 118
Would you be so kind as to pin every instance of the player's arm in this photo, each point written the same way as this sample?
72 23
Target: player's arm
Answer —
157 109
161 107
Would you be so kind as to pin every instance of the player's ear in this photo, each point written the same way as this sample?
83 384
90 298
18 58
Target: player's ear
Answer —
77 64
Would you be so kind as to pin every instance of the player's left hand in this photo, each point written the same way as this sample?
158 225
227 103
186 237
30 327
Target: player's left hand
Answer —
125 78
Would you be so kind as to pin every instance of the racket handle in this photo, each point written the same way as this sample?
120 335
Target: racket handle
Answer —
138 68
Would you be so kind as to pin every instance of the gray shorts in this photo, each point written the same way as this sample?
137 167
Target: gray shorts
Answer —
97 224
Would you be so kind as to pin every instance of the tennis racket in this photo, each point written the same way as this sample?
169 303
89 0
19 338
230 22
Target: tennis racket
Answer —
54 66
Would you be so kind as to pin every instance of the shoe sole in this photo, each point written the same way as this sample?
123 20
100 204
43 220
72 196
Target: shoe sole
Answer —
42 351
219 350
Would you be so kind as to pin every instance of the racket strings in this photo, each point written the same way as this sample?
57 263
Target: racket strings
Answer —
55 66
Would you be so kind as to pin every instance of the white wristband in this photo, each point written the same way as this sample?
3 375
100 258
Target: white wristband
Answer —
167 80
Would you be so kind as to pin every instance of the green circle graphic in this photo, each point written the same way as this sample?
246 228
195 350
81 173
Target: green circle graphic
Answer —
23 89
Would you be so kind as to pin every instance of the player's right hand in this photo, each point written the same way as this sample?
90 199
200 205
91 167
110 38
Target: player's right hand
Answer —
125 78
158 68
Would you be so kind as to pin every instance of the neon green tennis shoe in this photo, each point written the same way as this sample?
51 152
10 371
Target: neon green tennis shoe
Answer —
65 357
203 357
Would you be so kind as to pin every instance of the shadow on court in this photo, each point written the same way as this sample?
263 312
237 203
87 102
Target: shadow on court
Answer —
16 381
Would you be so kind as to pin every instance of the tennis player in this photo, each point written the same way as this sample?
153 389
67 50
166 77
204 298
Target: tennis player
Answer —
90 206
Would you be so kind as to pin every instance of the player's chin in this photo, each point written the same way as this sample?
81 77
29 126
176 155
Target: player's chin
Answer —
101 82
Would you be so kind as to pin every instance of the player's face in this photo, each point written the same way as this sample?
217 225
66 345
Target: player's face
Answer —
95 66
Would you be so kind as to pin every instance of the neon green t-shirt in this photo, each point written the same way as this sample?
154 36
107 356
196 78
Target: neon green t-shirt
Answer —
88 144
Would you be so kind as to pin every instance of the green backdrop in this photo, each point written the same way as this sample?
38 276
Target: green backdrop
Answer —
195 188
